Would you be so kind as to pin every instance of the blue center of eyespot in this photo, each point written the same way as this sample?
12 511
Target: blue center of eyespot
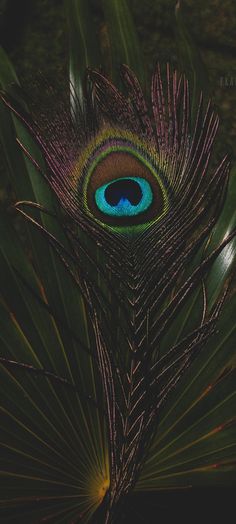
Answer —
127 196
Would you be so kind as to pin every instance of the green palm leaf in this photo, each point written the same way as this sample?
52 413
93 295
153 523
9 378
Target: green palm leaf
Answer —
45 307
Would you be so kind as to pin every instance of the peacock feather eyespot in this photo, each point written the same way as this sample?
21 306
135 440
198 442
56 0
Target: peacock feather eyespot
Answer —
122 185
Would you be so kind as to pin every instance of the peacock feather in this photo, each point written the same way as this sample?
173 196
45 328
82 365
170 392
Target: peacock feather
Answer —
117 310
136 186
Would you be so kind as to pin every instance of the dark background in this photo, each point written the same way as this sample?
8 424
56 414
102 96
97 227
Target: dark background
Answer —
34 33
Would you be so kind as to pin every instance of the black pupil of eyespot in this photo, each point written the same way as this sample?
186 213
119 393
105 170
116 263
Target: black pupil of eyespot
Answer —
127 189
